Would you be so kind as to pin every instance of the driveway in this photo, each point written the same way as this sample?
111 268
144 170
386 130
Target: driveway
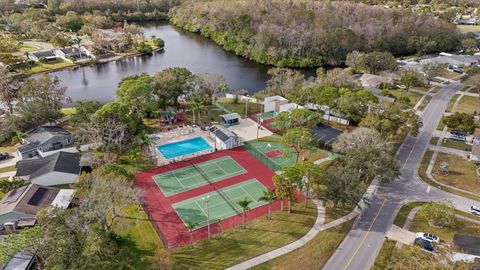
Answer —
401 235
43 46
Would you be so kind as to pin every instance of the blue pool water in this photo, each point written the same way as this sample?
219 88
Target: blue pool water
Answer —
182 148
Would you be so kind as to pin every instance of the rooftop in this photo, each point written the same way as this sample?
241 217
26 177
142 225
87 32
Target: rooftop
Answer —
467 244
45 54
222 132
476 150
476 133
230 116
64 162
28 199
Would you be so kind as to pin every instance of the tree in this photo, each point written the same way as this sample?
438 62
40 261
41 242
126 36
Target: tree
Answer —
191 226
195 107
285 184
439 214
269 197
284 82
339 78
432 70
373 62
353 105
460 121
169 84
40 102
19 137
296 118
311 173
361 137
136 93
6 185
8 90
84 109
341 188
299 139
244 204
410 78
106 198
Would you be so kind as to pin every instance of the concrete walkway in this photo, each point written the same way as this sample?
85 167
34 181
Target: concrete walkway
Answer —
7 174
448 150
408 223
317 227
322 160
468 94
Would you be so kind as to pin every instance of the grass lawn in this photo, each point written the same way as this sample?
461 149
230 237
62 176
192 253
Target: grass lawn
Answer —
28 48
68 111
333 213
435 89
383 258
452 144
441 123
468 105
451 102
450 74
240 106
314 254
413 97
423 175
424 103
461 173
143 240
206 115
403 213
39 67
237 245
7 169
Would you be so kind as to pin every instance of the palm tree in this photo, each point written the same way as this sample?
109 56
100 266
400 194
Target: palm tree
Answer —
19 137
244 204
269 196
191 226
195 106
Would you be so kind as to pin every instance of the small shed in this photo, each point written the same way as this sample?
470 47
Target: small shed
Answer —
273 103
230 119
223 137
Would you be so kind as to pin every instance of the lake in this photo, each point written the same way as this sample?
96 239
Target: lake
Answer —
182 49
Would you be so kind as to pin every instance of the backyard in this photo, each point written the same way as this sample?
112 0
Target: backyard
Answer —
401 93
461 174
39 67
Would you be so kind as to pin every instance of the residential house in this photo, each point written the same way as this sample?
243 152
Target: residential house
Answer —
70 54
57 169
375 81
273 103
475 154
46 56
223 137
230 119
44 139
19 207
476 136
455 60
20 261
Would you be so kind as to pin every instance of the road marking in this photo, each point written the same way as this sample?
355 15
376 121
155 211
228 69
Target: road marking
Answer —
366 235
428 189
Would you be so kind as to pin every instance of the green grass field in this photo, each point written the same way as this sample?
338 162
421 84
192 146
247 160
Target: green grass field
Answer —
28 48
468 105
461 173
39 67
222 203
177 181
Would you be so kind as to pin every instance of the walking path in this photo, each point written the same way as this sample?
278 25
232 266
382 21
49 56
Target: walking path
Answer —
448 150
468 94
408 223
319 226
322 160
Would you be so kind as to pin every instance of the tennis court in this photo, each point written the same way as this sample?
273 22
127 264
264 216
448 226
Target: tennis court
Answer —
280 155
186 178
222 203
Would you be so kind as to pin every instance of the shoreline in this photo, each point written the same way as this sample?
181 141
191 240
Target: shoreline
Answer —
90 63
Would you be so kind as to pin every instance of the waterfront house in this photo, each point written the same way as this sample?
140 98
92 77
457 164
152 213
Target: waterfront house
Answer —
48 56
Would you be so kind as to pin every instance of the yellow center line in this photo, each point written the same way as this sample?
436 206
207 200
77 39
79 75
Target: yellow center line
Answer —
366 235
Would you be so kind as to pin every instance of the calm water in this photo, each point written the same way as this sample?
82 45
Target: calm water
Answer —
183 49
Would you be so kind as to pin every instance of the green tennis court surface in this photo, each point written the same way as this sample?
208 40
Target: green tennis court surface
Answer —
266 115
286 157
186 178
222 204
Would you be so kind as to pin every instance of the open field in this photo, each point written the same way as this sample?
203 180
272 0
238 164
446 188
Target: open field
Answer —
461 173
237 245
451 102
468 104
28 48
239 107
314 254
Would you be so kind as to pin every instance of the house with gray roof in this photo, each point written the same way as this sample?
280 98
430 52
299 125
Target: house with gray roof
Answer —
44 139
58 169
19 207
48 56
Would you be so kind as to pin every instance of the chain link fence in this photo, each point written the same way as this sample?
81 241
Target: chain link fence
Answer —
262 157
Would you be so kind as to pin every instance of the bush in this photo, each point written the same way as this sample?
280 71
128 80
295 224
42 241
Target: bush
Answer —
439 214
460 121
158 42
144 48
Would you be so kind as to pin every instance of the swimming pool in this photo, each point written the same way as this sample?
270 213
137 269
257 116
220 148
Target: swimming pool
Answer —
182 148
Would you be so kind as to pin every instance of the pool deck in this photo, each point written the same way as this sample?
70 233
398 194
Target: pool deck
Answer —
176 136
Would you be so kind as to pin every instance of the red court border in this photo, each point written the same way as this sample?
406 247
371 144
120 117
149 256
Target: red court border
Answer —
166 221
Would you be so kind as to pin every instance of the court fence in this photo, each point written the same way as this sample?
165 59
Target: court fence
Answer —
262 157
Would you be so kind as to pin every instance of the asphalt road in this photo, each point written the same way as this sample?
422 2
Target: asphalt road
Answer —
362 244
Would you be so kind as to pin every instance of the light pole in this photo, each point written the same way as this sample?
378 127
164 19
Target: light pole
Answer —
206 199
246 106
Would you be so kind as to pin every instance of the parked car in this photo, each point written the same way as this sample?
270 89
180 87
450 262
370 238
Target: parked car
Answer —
475 210
425 244
4 156
428 236
458 132
457 70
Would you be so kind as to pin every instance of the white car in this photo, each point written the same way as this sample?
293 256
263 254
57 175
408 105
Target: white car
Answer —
428 236
475 210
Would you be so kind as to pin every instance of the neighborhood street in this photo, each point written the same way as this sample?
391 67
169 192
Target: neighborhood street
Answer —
362 244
